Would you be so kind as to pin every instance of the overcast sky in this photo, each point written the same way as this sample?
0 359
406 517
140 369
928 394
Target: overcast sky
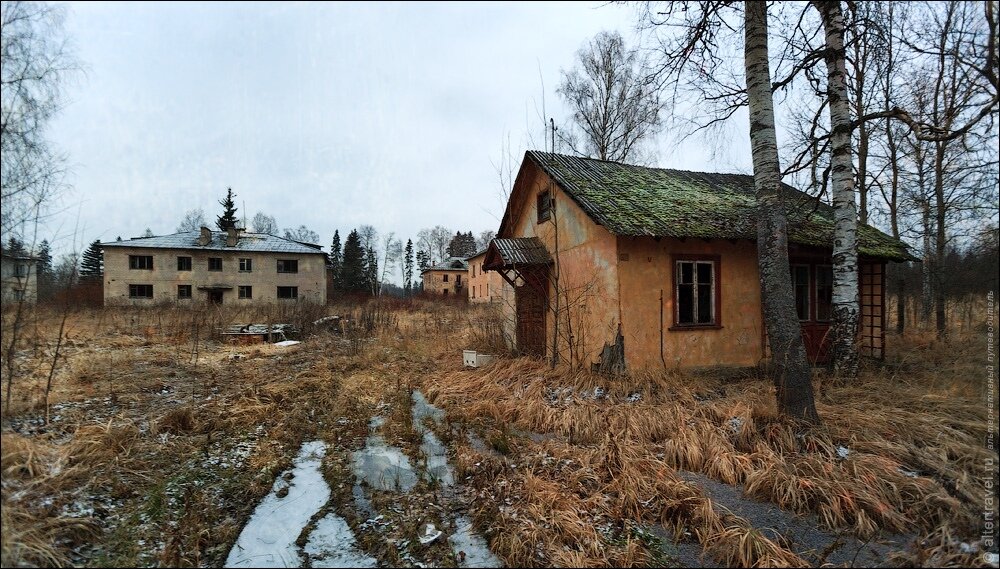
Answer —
328 115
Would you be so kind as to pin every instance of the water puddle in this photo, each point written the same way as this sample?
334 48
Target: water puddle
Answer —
435 453
268 539
471 549
382 466
332 544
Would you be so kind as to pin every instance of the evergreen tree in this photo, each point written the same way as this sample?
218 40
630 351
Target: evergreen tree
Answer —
352 269
336 259
462 245
148 233
92 264
15 247
371 270
408 268
44 268
228 217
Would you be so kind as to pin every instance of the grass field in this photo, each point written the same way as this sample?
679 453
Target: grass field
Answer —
161 440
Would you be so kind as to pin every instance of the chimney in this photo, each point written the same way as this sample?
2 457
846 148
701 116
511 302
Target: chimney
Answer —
232 236
206 236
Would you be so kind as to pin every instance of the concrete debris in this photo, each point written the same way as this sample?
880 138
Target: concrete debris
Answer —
431 533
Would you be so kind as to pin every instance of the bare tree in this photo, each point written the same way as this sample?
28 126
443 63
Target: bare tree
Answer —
615 106
484 239
263 223
303 234
35 63
193 221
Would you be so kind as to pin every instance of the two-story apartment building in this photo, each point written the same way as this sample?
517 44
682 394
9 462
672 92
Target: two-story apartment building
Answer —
213 266
484 286
449 277
19 279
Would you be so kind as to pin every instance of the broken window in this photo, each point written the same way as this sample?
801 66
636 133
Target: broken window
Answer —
824 292
215 263
288 266
288 291
800 284
444 278
246 265
183 263
140 291
544 206
695 293
183 291
144 262
247 292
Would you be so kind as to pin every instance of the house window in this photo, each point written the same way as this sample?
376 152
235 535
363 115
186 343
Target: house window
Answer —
824 292
144 262
473 271
800 286
183 263
22 271
288 291
458 279
446 292
246 266
696 292
247 292
184 291
544 206
288 266
215 263
140 291
445 278
18 295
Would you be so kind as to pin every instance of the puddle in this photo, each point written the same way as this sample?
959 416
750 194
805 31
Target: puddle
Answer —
331 544
807 539
470 549
422 408
437 460
380 465
268 539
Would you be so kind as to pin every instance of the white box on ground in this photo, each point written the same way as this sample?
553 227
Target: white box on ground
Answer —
484 359
469 358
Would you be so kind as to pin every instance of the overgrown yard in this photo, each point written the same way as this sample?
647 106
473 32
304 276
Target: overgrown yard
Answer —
162 440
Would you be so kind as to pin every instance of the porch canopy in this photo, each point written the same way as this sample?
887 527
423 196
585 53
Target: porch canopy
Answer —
523 259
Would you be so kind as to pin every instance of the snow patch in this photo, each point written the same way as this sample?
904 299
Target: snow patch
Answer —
332 544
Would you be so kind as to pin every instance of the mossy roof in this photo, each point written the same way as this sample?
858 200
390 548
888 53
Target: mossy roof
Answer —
633 200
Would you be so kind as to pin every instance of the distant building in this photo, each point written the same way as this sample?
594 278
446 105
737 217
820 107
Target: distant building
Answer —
484 286
222 267
19 278
449 277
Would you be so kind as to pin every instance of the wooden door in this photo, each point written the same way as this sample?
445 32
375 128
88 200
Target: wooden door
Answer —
530 302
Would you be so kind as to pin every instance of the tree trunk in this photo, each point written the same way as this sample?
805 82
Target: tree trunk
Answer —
939 246
926 269
845 232
792 373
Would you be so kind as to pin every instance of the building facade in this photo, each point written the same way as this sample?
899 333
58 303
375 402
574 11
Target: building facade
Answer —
447 278
212 266
484 286
19 278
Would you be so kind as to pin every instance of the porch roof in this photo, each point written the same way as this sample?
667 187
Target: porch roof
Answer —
516 252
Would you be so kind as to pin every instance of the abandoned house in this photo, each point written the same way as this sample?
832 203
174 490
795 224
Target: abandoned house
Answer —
214 266
484 286
449 277
668 258
19 278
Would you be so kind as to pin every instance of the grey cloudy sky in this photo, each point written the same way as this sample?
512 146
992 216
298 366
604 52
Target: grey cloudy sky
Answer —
327 115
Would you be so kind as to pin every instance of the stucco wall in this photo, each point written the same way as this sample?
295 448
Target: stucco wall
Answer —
18 278
264 278
434 282
649 271
483 286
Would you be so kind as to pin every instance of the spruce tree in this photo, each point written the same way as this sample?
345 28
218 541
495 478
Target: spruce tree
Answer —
92 264
336 259
15 248
44 268
352 269
371 271
408 268
228 217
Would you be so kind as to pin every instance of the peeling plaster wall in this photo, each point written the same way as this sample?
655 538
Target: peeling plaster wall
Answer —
434 282
483 286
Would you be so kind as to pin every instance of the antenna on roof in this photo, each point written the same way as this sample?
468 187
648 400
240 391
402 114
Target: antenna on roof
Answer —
553 122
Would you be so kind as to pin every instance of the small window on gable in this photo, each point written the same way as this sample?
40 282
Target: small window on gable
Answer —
544 204
695 292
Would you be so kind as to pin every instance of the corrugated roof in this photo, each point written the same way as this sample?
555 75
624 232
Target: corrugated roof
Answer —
250 242
519 251
449 264
639 201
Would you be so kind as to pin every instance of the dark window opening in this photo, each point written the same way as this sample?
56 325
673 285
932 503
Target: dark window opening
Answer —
246 292
183 263
288 292
800 285
184 291
246 265
544 206
288 266
445 278
215 263
140 291
824 292
143 262
695 293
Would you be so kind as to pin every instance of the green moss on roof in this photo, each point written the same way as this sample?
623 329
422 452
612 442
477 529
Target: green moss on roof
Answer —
638 201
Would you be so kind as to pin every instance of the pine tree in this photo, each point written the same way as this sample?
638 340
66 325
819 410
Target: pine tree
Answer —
336 260
371 271
92 264
15 247
408 268
228 217
44 268
352 269
462 245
